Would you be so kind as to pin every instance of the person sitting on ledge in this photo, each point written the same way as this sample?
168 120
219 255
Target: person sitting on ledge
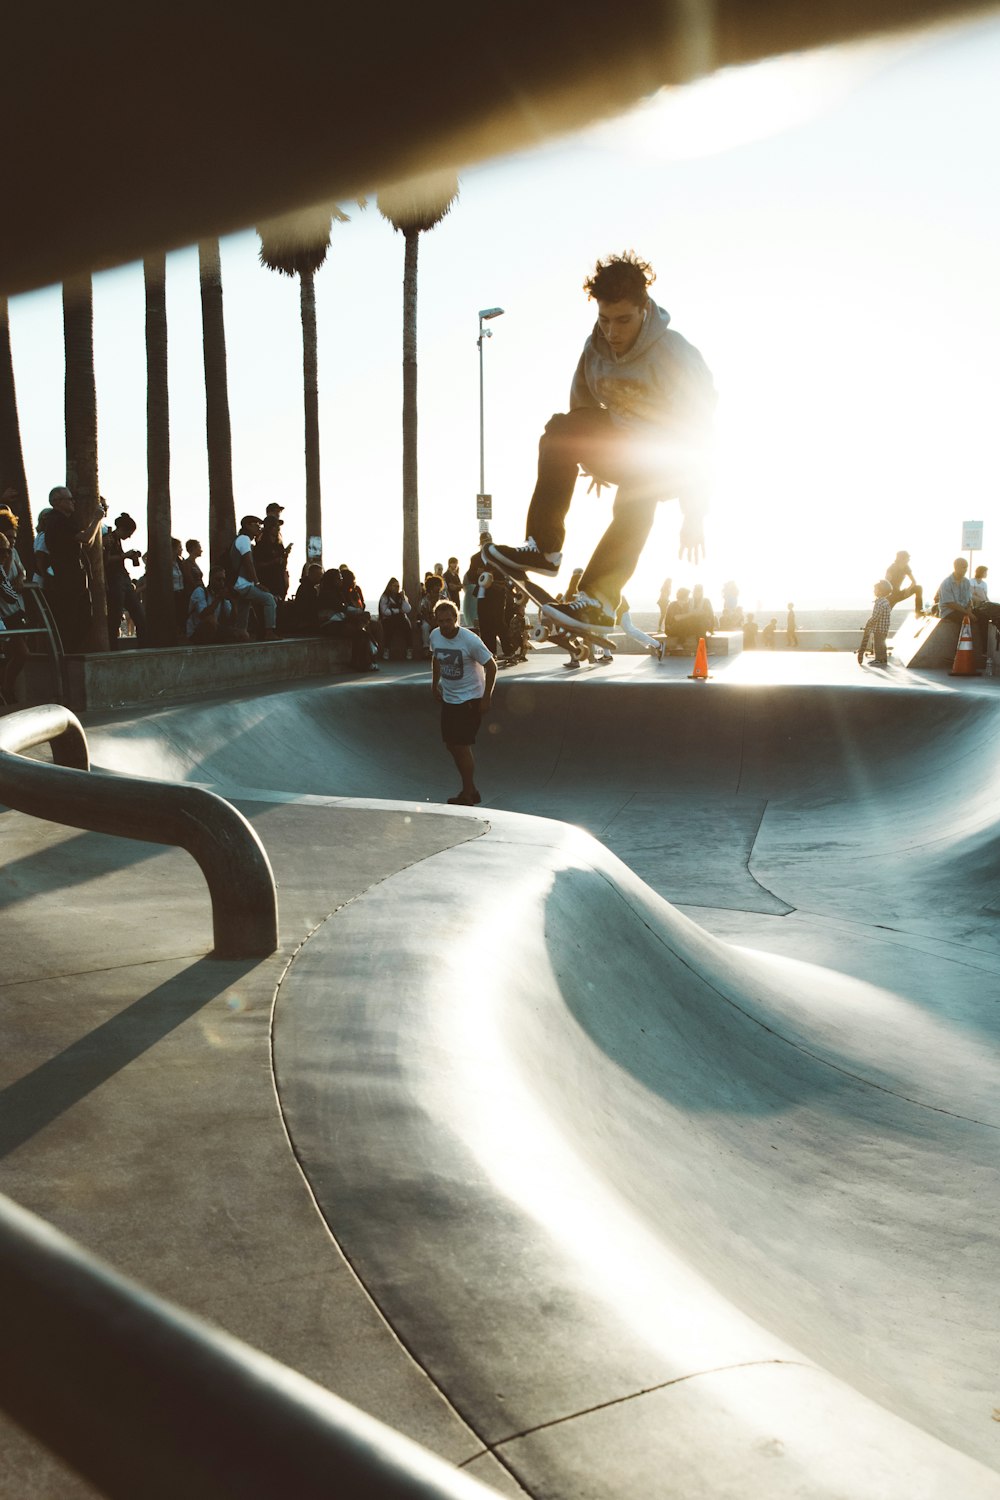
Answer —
954 601
211 617
245 584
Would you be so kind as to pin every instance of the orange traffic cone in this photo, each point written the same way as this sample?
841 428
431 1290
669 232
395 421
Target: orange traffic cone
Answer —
700 673
965 657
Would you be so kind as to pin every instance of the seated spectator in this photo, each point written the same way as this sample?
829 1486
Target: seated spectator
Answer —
954 601
270 556
986 612
342 613
118 586
241 575
689 616
12 577
304 608
394 620
767 635
211 614
896 574
433 593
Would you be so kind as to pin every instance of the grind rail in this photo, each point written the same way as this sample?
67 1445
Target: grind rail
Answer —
226 847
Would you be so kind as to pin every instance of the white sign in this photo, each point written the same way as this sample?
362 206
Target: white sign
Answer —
972 536
484 507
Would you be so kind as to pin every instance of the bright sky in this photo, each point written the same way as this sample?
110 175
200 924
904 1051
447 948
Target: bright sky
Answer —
825 229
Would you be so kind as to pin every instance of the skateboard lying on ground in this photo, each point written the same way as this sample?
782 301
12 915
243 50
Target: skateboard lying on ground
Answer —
576 641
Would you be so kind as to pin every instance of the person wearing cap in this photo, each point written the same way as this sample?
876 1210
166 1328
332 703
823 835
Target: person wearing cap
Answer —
247 591
270 556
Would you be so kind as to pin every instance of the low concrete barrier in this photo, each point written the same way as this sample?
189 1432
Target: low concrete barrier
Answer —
119 679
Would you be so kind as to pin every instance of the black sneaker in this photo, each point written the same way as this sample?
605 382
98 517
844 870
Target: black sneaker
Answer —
581 613
528 558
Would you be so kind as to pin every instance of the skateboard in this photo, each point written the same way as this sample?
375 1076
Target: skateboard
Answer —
577 643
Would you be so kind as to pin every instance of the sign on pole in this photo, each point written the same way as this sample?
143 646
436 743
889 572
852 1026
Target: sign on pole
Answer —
972 536
484 507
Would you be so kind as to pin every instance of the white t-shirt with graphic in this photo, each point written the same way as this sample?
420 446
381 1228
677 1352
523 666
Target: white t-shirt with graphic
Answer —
460 664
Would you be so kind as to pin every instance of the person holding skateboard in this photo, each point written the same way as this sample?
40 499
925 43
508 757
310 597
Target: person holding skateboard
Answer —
640 417
463 675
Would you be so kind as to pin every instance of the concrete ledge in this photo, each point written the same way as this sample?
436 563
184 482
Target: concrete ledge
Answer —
117 679
925 641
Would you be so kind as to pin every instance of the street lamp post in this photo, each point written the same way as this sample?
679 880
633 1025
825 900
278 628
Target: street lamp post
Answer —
485 315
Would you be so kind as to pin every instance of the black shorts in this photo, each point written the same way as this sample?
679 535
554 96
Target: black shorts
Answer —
460 721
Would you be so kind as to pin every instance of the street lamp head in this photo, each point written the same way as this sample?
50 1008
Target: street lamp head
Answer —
491 312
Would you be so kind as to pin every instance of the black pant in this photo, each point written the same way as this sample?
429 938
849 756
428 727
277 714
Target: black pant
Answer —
589 438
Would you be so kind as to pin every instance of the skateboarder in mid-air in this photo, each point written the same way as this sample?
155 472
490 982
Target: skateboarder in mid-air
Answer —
640 417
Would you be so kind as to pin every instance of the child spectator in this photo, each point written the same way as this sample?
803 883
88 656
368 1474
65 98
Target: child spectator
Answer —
877 626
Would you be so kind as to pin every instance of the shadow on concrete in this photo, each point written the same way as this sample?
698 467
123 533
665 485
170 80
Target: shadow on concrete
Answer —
48 1091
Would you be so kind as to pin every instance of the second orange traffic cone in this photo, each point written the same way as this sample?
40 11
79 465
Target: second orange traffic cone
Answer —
700 673
965 657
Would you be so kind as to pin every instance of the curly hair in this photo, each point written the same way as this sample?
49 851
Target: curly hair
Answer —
621 278
6 514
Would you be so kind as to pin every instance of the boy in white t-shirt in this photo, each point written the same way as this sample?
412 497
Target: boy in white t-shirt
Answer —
464 672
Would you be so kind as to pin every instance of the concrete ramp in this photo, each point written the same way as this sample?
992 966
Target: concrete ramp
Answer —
664 1207
924 641
659 1216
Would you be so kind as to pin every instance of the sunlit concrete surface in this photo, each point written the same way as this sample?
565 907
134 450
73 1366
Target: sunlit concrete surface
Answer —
641 1124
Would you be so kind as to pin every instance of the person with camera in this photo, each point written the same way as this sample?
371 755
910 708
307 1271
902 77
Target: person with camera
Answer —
463 675
119 588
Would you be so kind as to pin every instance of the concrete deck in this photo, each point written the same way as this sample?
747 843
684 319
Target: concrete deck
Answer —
633 1134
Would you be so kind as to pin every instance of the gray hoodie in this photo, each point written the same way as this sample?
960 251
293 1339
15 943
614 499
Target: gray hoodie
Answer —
661 383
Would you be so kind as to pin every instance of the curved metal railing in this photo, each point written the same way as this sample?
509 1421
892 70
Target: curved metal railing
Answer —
143 1399
231 856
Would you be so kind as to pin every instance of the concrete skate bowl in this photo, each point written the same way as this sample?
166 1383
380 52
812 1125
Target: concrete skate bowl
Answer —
660 1215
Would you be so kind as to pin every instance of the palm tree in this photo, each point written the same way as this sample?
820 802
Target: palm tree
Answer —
296 245
221 504
81 440
413 208
158 599
13 480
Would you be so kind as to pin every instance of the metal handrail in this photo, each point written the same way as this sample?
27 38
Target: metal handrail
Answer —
144 1399
231 856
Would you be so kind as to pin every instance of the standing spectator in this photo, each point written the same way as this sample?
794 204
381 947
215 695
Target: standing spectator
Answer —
749 633
270 557
662 604
702 608
470 583
394 619
242 575
179 585
194 578
453 581
67 587
463 675
791 633
12 577
732 615
121 591
491 608
877 626
897 571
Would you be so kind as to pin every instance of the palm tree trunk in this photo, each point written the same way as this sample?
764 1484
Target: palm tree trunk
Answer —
81 441
411 527
12 475
310 386
221 505
158 599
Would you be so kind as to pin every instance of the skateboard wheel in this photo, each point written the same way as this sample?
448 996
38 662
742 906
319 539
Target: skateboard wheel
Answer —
539 632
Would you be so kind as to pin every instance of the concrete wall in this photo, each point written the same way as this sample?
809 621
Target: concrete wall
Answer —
118 679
